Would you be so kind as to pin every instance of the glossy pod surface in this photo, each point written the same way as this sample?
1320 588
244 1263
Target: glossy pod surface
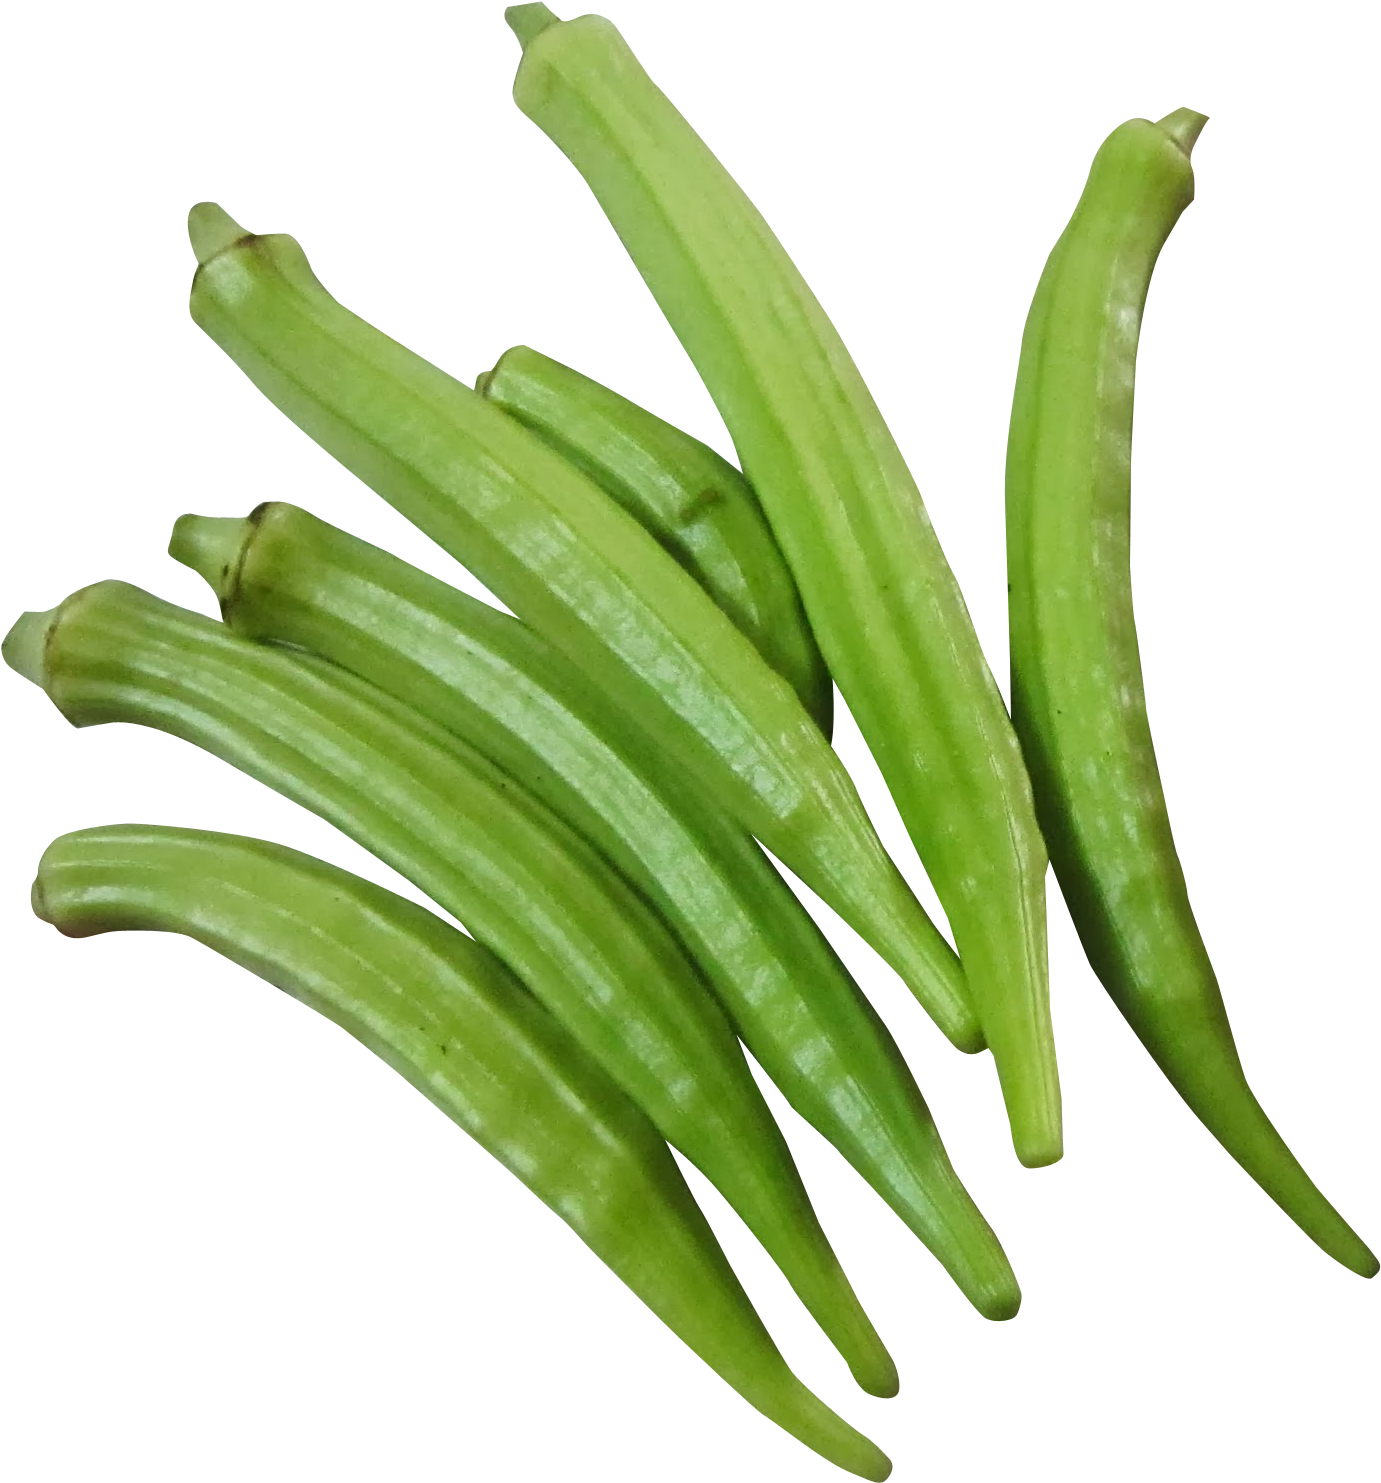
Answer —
285 576
524 883
1077 694
694 503
881 599
559 552
451 1019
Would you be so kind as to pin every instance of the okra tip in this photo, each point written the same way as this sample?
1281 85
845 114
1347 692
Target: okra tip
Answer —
1037 1123
999 1299
212 230
529 21
1040 1149
25 645
1003 1309
211 546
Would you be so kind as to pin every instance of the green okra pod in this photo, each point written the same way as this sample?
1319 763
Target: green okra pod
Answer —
562 555
284 576
526 884
693 502
451 1019
881 599
1077 694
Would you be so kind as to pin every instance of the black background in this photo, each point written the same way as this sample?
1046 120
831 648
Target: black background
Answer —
239 1191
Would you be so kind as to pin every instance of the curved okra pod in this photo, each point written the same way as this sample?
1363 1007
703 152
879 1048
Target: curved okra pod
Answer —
526 884
561 554
1077 694
693 502
283 575
451 1019
881 599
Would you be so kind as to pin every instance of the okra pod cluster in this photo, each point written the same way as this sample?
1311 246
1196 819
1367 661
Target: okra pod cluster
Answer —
693 502
283 576
588 785
567 559
448 1016
885 607
523 883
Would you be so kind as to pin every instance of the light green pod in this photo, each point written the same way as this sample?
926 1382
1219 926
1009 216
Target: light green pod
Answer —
559 552
282 575
881 599
451 1019
690 500
1077 694
484 849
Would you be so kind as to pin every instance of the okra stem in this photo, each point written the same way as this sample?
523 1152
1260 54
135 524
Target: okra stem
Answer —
528 21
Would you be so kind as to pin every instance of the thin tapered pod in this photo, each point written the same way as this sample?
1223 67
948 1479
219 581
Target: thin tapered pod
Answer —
453 1021
284 576
1077 694
879 594
525 884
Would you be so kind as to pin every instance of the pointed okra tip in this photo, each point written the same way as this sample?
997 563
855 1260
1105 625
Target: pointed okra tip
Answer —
1184 126
212 230
527 22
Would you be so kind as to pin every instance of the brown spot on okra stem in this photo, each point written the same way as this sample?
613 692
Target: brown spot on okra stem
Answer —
230 579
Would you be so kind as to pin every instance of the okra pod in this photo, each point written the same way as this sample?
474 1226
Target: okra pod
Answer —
881 599
559 552
693 502
1077 694
447 1015
284 576
526 884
